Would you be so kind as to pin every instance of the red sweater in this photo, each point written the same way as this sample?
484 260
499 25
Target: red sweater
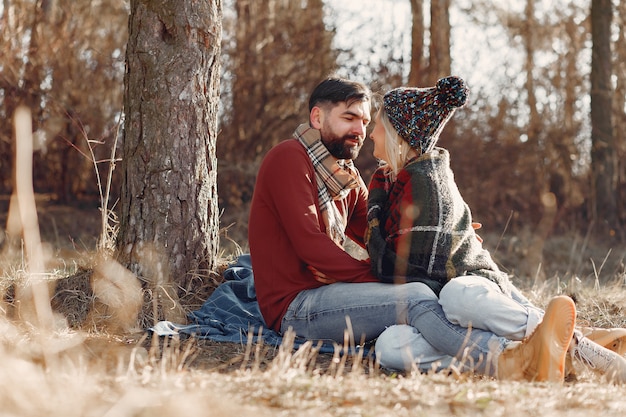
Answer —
286 232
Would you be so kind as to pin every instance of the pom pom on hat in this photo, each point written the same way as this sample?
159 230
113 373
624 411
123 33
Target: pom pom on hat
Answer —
419 114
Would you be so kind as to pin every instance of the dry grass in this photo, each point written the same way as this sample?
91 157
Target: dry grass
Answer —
106 376
82 370
92 360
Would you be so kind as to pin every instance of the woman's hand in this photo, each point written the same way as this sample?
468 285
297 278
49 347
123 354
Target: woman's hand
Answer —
320 276
477 226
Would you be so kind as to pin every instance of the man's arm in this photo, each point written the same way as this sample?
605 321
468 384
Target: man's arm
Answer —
294 197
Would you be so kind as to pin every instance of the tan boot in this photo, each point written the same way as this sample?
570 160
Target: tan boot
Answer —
598 358
541 357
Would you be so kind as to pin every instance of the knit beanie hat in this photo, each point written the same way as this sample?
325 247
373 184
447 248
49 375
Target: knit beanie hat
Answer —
419 114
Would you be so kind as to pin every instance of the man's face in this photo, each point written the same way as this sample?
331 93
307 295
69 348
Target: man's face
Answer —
343 128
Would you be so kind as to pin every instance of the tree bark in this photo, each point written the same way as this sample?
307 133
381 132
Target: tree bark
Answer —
619 106
603 161
417 43
169 214
439 64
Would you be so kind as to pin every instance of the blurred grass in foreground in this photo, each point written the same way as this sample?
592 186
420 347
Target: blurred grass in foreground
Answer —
104 364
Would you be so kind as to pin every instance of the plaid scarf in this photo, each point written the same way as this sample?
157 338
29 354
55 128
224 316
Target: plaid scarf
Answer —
335 179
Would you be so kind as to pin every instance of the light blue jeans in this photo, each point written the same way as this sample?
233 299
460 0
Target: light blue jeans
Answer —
321 314
473 301
470 302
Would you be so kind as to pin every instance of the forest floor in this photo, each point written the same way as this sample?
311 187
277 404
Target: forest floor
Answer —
88 372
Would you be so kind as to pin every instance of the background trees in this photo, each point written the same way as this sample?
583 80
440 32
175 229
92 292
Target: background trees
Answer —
65 60
276 53
524 150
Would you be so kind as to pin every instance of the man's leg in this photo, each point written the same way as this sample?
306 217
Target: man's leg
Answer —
322 313
402 347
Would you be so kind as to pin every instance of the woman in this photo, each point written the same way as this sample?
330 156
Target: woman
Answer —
421 229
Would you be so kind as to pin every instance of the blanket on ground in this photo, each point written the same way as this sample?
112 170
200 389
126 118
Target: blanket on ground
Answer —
232 314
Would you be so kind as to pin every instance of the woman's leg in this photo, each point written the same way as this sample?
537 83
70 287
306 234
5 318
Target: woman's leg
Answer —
476 302
323 313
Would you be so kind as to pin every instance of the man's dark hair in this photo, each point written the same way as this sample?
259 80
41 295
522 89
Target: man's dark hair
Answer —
335 90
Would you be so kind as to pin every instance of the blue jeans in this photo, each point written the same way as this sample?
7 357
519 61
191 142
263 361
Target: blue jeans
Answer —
469 301
513 317
321 314
402 347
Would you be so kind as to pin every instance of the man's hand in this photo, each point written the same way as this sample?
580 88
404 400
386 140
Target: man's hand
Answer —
477 226
320 276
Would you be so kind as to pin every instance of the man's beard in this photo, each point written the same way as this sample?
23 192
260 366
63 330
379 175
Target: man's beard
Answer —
338 146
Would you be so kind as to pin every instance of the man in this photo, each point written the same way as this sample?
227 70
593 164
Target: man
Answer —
307 200
289 227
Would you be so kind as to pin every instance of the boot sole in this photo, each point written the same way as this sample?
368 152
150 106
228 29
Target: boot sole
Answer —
557 331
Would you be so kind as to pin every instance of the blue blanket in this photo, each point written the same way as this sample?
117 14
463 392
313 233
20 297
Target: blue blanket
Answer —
232 313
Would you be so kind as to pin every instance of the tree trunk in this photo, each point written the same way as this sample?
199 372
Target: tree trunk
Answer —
439 64
619 106
169 214
603 161
530 266
417 43
534 121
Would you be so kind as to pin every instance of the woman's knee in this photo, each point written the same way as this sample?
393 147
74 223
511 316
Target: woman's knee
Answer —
460 294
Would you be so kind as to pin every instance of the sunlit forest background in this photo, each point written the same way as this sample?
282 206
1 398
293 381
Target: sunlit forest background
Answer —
143 167
522 149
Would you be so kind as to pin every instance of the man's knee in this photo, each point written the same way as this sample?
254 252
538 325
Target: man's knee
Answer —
394 347
403 348
417 290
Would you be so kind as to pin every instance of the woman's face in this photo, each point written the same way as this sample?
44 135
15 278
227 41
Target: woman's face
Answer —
378 137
